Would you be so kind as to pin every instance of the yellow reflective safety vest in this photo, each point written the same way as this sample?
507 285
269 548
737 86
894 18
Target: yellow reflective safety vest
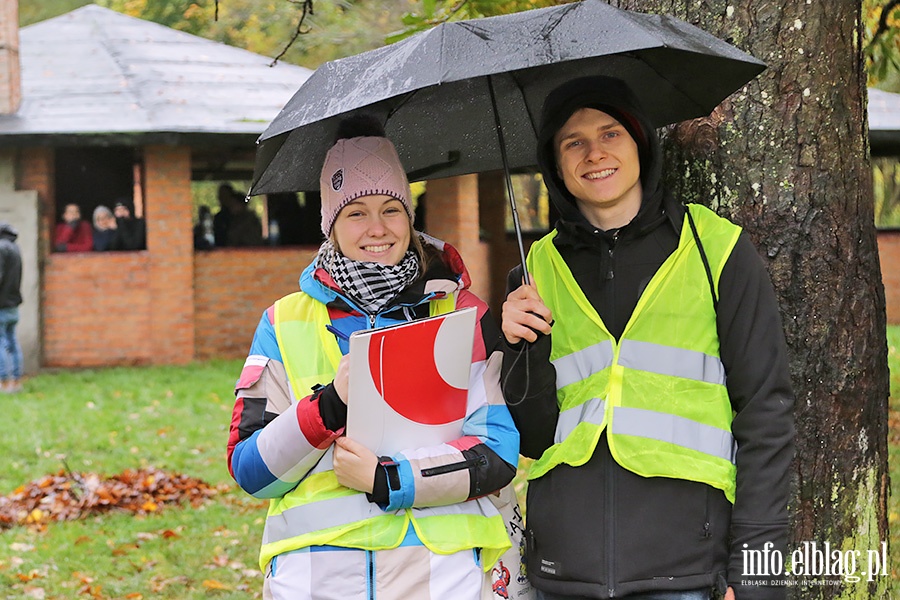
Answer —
320 511
659 391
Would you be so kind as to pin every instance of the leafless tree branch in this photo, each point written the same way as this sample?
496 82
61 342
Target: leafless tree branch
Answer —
307 6
883 21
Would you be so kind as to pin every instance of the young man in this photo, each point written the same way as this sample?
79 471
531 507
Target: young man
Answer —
647 372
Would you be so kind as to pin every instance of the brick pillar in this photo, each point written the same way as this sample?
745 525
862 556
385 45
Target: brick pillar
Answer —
453 210
37 171
492 209
453 217
167 210
10 80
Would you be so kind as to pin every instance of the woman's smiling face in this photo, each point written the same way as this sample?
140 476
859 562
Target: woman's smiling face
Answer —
373 229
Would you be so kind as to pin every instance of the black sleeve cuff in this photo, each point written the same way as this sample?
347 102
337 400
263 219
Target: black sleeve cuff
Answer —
379 493
331 409
385 474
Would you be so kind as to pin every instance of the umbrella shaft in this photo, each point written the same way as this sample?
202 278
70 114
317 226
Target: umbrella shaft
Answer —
509 187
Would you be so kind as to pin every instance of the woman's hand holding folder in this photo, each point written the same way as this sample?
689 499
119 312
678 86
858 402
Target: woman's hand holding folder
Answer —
354 465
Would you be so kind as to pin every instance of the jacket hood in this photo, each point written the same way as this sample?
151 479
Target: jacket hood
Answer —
8 231
613 97
442 277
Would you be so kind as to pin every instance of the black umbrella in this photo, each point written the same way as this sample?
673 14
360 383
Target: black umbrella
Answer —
464 97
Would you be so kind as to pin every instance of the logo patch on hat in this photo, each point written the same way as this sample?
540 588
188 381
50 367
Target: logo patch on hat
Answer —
337 180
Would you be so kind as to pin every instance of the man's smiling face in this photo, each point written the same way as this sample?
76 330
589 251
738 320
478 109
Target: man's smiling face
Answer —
598 161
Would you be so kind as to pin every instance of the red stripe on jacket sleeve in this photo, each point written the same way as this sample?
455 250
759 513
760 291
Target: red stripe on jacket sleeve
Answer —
311 425
234 434
465 443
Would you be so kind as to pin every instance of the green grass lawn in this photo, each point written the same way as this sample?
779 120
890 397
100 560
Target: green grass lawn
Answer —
106 421
893 335
175 419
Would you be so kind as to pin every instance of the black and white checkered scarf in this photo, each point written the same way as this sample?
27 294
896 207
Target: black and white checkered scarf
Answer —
370 285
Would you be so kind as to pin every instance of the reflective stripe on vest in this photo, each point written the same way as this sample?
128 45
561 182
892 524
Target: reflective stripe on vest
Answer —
666 360
320 511
649 424
660 389
589 412
583 363
324 514
675 430
334 512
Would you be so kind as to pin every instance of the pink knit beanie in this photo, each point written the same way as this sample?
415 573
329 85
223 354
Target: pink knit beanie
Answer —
357 167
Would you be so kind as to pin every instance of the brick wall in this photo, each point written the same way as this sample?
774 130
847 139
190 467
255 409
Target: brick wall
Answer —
889 253
122 308
97 310
232 289
101 311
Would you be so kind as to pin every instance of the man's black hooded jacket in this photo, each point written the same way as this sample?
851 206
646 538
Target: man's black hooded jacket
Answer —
599 530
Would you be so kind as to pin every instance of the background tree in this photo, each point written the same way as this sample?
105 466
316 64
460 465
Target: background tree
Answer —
433 12
337 28
32 12
882 43
787 159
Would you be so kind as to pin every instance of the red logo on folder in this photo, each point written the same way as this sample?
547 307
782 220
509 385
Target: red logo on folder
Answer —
417 390
409 382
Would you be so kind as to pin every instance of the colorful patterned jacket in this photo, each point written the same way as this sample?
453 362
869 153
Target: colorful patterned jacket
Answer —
275 429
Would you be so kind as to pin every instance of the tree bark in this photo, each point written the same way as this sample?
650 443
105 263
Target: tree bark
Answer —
786 158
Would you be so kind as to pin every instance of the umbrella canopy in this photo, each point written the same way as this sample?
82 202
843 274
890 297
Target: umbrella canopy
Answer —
433 90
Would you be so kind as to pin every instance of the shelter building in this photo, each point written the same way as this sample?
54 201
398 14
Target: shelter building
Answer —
100 106
96 106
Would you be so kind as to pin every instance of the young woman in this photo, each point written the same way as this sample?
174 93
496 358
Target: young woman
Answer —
342 522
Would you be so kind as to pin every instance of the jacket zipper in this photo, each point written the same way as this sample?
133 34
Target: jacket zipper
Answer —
610 272
480 461
610 525
706 523
370 575
610 479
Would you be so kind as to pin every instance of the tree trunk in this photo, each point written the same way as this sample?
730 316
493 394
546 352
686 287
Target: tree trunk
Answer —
786 158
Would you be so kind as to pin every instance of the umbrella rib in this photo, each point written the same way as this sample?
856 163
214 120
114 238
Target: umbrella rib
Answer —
525 104
441 55
406 98
699 106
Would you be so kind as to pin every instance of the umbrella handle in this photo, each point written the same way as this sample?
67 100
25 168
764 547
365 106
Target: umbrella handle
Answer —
509 187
